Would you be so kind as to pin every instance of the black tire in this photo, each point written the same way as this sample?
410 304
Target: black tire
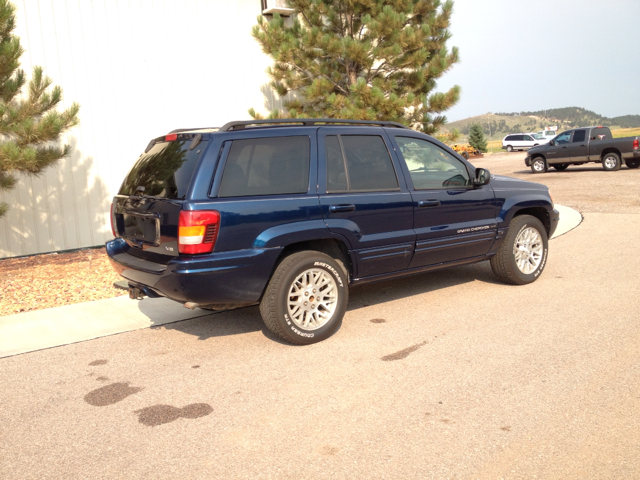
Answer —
505 265
539 165
633 163
611 162
509 148
274 305
465 155
561 166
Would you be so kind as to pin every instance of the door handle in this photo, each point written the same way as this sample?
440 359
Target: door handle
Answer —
428 203
342 208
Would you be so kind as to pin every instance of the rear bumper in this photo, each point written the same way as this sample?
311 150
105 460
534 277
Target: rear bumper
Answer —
237 277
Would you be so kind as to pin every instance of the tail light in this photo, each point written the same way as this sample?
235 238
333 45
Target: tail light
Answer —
112 218
197 231
636 144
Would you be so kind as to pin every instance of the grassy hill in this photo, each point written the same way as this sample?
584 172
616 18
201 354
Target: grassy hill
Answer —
497 125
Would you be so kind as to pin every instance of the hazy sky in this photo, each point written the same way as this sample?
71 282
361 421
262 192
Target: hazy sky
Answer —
524 55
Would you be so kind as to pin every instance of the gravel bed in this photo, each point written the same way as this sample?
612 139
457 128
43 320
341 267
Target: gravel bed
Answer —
53 280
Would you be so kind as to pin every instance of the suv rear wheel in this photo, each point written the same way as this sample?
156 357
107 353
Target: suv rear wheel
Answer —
306 298
523 254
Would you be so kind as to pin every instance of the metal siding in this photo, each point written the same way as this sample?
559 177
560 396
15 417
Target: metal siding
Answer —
138 69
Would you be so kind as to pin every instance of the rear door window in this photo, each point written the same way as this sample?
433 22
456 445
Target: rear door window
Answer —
165 170
266 166
579 136
359 163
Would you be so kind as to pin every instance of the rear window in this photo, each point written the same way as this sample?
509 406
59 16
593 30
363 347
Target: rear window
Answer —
266 166
164 171
601 133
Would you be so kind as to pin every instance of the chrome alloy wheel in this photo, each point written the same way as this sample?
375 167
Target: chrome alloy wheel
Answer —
312 299
610 162
538 165
528 250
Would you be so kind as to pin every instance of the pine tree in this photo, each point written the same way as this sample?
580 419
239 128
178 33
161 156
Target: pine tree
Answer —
476 138
362 59
29 122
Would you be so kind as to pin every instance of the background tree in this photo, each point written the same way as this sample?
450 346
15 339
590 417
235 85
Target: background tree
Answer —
362 59
29 123
476 137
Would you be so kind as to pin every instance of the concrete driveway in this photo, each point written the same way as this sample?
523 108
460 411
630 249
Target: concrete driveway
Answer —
443 375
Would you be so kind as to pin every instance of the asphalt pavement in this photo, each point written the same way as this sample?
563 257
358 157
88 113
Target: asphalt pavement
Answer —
447 374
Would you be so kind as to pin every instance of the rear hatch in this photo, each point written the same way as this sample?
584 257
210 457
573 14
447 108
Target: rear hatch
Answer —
147 208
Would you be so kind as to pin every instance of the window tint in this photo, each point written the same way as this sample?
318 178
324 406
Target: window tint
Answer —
528 138
336 173
430 166
564 137
601 134
510 138
164 171
579 136
359 163
266 166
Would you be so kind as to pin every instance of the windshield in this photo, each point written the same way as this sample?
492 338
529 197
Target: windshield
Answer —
537 136
164 171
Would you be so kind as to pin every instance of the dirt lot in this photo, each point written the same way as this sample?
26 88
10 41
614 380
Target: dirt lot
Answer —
587 188
46 281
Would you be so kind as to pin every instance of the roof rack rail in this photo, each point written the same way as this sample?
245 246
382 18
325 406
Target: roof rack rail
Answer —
305 122
178 130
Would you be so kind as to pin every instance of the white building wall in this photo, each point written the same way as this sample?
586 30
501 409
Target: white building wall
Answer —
138 69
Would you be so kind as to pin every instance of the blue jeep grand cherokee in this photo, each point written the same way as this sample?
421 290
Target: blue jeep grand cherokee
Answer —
287 214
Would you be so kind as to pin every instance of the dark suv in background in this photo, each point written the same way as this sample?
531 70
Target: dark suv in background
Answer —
287 214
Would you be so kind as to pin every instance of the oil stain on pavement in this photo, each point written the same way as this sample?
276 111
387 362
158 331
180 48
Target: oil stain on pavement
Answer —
403 353
377 320
110 394
160 414
98 362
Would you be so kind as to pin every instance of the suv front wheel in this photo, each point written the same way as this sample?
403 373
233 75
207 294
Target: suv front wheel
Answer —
306 298
523 254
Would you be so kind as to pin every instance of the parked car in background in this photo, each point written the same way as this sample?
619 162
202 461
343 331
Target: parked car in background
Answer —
520 141
583 145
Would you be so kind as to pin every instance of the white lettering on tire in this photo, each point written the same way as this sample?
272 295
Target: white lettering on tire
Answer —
331 269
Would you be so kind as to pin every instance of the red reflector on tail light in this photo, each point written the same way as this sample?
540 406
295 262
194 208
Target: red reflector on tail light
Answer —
197 231
636 144
171 137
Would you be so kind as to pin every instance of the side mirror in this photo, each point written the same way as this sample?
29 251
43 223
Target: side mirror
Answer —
483 177
552 143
